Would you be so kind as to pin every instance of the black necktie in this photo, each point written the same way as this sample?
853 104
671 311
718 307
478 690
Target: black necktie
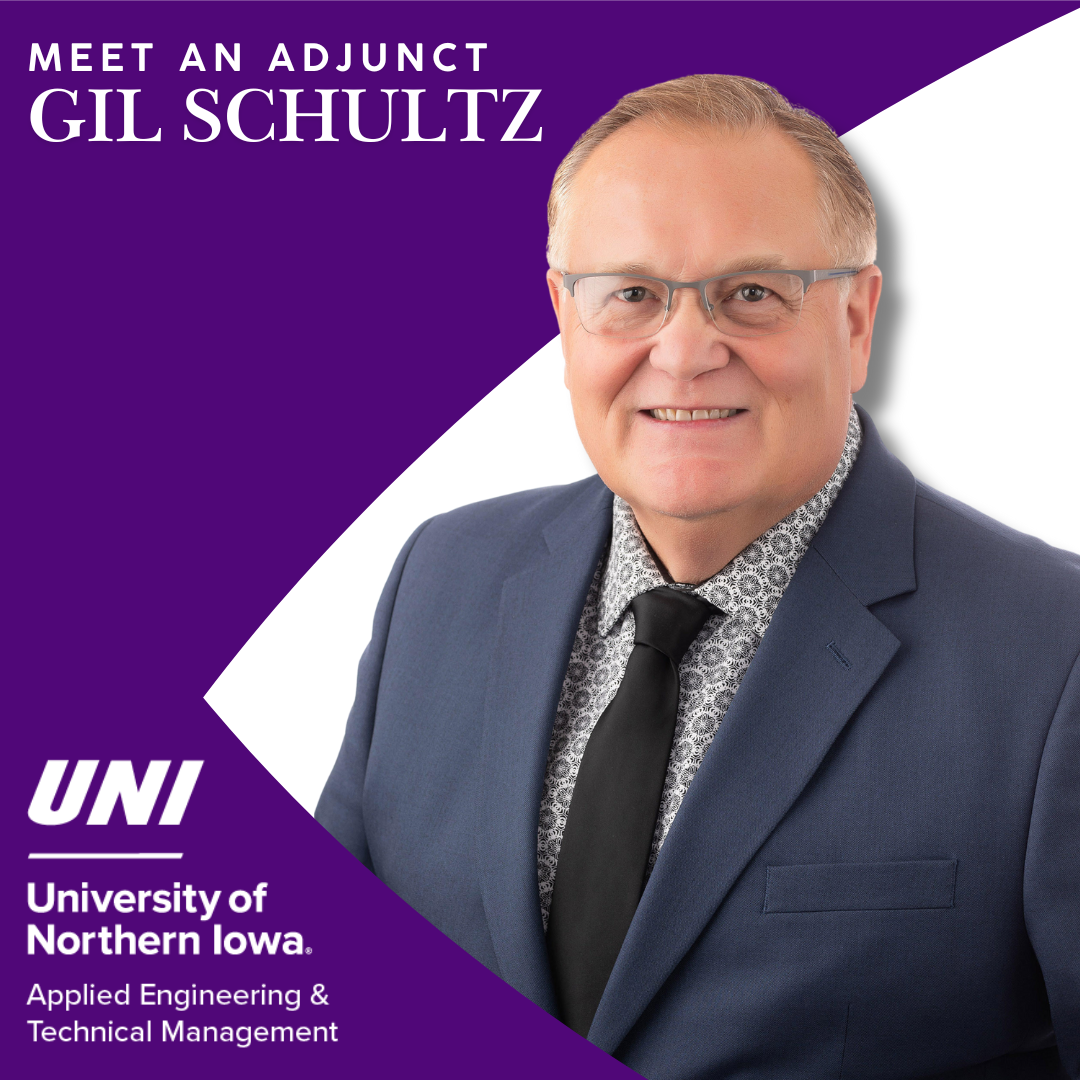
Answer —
605 846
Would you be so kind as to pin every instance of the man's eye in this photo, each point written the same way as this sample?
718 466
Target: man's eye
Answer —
633 295
751 293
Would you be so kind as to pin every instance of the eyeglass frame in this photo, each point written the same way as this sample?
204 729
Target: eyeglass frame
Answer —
807 277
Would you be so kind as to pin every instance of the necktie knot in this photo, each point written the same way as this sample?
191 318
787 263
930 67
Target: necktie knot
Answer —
668 620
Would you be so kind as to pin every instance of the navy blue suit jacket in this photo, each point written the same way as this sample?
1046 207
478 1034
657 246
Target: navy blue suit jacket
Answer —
876 871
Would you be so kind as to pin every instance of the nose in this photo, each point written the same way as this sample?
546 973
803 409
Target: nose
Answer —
688 344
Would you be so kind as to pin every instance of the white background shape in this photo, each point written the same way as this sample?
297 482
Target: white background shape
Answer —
288 691
975 381
977 388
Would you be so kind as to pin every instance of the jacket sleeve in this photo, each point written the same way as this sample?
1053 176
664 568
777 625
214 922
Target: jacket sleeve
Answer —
340 808
1052 872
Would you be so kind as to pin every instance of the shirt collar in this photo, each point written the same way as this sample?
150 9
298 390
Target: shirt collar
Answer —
751 585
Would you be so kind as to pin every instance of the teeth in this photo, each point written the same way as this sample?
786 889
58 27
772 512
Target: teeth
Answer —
696 414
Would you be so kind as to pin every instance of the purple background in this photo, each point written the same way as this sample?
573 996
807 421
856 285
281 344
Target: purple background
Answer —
207 378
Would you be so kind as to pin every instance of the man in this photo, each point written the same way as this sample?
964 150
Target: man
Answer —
751 757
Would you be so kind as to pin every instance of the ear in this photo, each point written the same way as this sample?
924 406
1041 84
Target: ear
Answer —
558 295
555 289
862 302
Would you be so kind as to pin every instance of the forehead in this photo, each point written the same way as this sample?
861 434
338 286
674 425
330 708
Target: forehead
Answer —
693 202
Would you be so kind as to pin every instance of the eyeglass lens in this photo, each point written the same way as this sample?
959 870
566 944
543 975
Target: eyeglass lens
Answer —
742 305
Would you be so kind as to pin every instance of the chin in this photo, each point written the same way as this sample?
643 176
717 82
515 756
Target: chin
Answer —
689 510
692 496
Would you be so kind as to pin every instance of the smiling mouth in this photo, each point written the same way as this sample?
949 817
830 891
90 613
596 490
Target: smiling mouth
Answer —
681 415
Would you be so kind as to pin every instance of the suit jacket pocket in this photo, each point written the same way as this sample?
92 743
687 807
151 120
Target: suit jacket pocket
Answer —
924 883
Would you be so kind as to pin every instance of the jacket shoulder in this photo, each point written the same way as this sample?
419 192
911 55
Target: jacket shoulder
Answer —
1003 558
495 533
521 510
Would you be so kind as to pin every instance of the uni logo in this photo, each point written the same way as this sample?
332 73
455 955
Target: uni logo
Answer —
118 783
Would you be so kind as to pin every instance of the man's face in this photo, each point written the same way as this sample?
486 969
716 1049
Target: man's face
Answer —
685 208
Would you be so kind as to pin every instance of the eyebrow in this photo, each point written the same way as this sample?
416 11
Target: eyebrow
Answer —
748 262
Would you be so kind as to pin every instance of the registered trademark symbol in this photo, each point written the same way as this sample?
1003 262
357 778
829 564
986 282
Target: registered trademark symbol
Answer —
308 950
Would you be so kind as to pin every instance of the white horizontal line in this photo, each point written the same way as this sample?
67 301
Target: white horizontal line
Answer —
106 855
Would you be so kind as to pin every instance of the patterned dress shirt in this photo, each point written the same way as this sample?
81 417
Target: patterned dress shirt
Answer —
746 593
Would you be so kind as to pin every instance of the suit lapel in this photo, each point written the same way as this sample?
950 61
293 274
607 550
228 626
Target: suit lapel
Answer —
539 613
822 654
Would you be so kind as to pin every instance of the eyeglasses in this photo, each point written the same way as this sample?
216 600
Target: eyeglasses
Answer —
746 304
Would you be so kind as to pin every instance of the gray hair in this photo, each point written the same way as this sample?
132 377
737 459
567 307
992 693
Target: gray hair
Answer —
735 104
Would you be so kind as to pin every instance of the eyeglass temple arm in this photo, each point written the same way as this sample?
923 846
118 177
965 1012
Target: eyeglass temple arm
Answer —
810 276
